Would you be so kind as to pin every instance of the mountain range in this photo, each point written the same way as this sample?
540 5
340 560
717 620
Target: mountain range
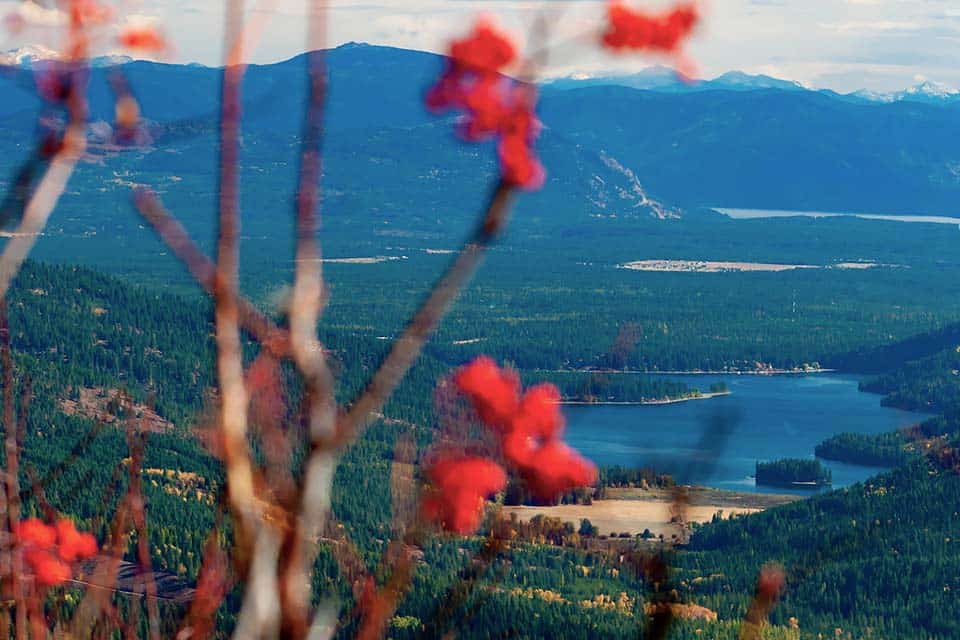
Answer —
654 78
665 79
654 149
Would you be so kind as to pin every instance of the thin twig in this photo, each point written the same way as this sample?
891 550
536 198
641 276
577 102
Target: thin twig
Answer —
12 451
60 468
376 618
438 623
136 445
257 539
54 181
268 334
212 586
104 574
304 312
98 601
233 392
40 207
407 347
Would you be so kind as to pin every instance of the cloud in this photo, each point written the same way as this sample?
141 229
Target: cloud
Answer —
868 26
35 15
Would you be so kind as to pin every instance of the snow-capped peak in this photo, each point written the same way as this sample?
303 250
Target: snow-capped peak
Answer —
874 96
926 91
27 55
930 89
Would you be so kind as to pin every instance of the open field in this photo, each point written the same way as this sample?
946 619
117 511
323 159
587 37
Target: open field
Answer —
363 260
706 266
633 510
705 497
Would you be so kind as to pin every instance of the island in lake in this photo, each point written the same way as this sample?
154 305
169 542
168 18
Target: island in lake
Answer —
793 473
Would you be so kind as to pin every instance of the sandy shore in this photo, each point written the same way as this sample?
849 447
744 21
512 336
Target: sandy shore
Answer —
634 510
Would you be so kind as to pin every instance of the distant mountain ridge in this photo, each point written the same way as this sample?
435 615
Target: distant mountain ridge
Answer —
612 152
654 78
660 78
664 79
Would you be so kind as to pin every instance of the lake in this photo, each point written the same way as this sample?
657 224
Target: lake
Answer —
716 442
749 214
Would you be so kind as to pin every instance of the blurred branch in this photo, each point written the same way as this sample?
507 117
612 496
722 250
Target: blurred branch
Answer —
212 586
41 205
12 455
257 538
97 601
770 583
268 334
136 443
304 313
441 618
68 152
408 345
400 557
233 392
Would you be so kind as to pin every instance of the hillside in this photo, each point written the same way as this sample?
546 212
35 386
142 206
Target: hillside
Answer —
878 556
770 149
920 373
96 324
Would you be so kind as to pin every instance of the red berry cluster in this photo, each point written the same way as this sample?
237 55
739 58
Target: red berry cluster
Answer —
529 426
460 487
49 549
494 105
632 29
145 38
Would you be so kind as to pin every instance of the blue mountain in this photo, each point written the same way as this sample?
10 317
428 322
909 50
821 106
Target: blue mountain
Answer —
612 151
665 79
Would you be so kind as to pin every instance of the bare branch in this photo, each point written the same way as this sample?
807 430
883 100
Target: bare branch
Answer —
12 451
377 616
41 205
136 444
305 308
212 585
408 346
104 574
233 392
268 334
770 583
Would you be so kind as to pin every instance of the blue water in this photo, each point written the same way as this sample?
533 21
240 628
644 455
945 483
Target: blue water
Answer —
716 442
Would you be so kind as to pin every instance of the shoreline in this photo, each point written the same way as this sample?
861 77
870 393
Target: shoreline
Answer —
695 372
645 403
744 372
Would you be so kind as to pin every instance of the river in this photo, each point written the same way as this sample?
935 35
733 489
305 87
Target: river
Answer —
716 442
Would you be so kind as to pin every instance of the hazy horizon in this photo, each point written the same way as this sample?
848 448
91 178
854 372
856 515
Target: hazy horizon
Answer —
844 45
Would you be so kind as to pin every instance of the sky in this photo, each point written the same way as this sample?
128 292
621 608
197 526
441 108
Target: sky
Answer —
845 45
